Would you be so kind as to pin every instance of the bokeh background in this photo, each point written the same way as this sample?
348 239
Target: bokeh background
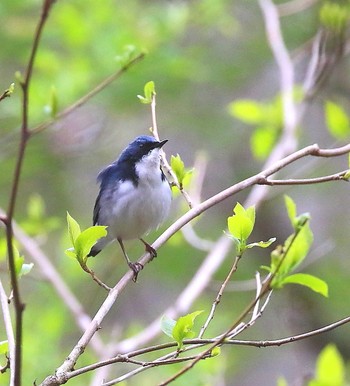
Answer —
202 55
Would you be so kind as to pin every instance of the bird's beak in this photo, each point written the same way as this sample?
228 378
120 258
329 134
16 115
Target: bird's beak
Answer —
161 143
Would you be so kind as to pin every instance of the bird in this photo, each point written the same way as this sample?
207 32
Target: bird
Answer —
134 197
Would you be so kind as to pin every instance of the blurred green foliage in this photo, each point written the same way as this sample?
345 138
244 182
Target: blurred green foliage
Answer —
203 57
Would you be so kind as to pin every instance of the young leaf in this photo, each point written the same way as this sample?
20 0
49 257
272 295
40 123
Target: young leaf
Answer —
128 53
87 239
262 244
70 252
330 368
149 91
334 16
26 268
241 224
73 228
284 259
247 111
183 327
310 281
215 351
282 382
167 325
4 347
337 120
262 141
178 166
291 209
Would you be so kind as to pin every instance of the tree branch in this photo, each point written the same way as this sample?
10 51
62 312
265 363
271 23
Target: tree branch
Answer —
19 306
9 330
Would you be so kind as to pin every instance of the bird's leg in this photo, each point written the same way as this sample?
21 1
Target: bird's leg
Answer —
149 249
135 267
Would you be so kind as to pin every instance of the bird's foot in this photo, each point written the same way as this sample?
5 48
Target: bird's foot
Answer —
136 268
149 249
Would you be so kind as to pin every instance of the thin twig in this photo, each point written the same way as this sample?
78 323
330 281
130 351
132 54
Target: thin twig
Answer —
285 65
171 176
218 297
306 181
9 330
7 93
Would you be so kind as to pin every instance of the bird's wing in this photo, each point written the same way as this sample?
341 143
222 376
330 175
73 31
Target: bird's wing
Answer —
96 210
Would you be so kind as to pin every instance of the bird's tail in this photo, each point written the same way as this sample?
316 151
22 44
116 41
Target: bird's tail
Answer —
94 251
97 248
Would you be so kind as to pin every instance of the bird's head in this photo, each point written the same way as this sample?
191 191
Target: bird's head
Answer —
144 149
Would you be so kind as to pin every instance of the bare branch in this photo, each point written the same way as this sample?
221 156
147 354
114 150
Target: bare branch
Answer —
19 306
164 162
218 297
9 331
307 181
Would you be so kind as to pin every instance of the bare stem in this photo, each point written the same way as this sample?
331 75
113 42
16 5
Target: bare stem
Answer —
19 306
218 297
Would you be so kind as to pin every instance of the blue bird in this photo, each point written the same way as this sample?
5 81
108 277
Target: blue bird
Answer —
134 197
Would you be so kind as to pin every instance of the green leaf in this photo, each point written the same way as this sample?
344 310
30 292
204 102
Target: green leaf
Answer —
183 327
127 55
310 281
73 228
330 369
36 207
70 252
298 247
4 347
281 382
287 258
247 111
291 209
178 167
262 244
216 351
334 16
337 120
26 268
167 325
149 91
87 239
241 224
262 141
347 175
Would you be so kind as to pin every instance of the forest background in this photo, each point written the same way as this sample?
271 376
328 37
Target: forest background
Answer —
221 90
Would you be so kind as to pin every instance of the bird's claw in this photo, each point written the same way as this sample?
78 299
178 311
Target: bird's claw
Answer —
136 268
151 251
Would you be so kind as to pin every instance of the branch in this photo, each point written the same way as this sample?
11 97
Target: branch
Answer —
8 92
285 65
9 330
218 297
341 176
19 306
164 161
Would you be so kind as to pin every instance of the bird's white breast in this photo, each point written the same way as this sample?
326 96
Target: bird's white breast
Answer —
137 209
